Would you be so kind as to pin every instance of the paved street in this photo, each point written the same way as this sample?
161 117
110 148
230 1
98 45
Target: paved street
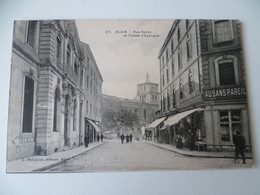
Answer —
114 156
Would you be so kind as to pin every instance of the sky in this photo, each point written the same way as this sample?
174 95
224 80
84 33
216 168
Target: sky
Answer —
125 51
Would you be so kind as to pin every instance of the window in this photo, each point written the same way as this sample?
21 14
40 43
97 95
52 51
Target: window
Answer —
223 31
191 88
179 59
173 97
173 67
163 79
90 108
172 46
187 24
28 105
167 55
155 97
178 35
168 100
87 106
75 67
87 81
87 63
74 114
180 88
226 74
188 46
230 122
58 48
81 77
55 112
162 61
144 114
68 55
226 69
31 33
167 75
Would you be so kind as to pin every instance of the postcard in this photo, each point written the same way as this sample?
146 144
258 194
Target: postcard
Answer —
127 95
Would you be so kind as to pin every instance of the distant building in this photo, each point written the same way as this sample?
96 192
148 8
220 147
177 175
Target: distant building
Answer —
144 109
203 86
48 89
148 92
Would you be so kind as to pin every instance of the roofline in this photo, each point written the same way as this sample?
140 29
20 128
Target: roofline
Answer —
168 37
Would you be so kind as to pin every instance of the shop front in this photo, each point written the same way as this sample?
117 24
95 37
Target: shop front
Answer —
152 130
91 130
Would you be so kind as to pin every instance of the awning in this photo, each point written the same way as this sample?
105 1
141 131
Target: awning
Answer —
164 127
177 117
156 122
94 125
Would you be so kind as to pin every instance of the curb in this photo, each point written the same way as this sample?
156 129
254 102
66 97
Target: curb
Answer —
192 155
64 160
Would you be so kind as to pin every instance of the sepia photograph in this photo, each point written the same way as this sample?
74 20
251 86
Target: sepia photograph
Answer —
128 95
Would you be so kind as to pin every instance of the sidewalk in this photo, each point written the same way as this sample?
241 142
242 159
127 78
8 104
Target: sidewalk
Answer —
195 153
41 163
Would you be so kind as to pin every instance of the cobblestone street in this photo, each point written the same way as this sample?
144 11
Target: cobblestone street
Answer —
114 156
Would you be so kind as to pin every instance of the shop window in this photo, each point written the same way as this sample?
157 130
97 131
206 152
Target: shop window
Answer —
28 105
188 46
31 33
144 114
223 31
230 122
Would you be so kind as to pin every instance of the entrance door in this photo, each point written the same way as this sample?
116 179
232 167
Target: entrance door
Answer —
66 115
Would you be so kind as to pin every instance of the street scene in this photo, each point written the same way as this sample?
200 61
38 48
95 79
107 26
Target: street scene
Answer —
127 95
138 156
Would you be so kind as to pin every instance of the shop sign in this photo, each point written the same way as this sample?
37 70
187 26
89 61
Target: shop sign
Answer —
222 93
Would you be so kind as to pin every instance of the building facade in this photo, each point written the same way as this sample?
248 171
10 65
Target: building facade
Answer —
202 83
47 89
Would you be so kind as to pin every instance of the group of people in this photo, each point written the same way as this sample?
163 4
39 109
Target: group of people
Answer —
128 138
100 137
188 141
86 139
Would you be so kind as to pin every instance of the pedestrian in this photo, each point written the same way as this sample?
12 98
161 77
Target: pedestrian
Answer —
131 137
98 137
86 139
102 137
240 145
127 138
122 138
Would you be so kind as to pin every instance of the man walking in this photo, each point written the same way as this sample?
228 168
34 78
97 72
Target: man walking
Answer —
240 145
131 137
122 138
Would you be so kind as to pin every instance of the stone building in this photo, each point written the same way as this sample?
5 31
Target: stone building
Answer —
203 86
148 92
48 101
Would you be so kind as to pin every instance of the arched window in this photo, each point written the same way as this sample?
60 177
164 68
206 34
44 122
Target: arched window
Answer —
55 110
226 70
